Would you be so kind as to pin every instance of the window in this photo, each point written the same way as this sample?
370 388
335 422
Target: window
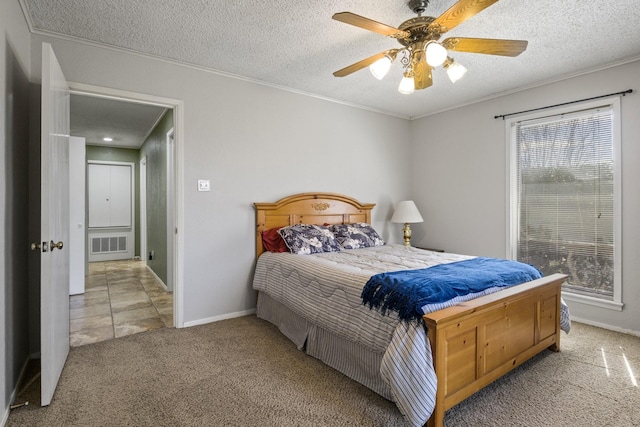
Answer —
564 190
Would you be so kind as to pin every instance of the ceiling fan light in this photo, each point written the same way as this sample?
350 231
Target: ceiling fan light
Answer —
455 71
381 67
436 54
407 85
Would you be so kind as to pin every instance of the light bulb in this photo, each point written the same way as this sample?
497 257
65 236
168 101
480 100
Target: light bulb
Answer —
455 71
381 67
407 85
436 54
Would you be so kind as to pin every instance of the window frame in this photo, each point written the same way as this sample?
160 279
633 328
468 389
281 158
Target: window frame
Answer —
512 193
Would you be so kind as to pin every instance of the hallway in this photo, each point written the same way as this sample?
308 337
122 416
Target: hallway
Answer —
121 298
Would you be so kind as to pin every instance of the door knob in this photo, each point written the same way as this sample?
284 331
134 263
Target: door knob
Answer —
56 245
36 246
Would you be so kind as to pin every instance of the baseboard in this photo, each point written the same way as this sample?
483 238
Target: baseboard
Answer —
605 326
14 393
153 273
218 318
5 417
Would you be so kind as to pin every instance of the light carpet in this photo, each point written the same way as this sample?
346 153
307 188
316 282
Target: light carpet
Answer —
243 372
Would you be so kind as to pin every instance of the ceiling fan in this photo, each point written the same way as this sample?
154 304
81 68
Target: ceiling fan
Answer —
421 49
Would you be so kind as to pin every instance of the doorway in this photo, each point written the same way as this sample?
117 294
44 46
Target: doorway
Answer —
133 276
122 297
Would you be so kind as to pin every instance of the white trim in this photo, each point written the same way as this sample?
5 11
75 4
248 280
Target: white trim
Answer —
593 301
532 86
171 227
121 95
178 125
617 199
111 162
213 71
132 165
27 16
129 232
512 191
218 318
143 208
178 284
14 393
605 326
68 38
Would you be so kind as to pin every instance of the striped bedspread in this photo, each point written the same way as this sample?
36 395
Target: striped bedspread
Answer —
326 288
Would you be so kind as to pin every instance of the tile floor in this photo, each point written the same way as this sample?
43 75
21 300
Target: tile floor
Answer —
121 298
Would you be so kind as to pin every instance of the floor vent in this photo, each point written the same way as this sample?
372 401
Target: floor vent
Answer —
108 244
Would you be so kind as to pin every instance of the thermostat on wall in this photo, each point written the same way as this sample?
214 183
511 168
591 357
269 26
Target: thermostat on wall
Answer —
203 185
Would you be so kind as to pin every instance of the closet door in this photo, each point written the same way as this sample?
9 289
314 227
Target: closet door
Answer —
109 196
120 196
99 195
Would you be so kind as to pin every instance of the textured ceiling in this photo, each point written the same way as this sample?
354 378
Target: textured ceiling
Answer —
128 124
296 45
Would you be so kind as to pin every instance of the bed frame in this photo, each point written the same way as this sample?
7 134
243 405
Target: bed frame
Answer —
473 343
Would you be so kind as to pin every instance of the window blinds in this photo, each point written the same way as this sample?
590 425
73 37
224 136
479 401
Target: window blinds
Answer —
565 186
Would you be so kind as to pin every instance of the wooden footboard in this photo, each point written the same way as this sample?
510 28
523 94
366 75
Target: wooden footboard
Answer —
476 342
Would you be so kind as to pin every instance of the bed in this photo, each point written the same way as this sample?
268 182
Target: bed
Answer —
424 368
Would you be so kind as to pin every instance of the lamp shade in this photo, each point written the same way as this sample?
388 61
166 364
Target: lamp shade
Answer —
381 67
455 71
406 212
436 54
407 85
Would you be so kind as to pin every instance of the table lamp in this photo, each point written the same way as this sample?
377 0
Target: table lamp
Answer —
406 212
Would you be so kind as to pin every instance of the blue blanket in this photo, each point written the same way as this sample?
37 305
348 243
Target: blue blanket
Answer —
407 291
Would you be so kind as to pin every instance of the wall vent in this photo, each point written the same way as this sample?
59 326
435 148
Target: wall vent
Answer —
108 244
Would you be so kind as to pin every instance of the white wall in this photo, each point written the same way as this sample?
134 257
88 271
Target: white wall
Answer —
256 144
459 178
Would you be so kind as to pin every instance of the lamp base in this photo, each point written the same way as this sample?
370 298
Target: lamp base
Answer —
406 232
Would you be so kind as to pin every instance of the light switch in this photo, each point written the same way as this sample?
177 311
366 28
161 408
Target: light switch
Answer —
203 185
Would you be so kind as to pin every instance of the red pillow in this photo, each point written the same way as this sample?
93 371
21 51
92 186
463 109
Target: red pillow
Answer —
272 241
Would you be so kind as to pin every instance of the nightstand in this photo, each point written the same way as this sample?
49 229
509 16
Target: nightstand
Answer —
429 249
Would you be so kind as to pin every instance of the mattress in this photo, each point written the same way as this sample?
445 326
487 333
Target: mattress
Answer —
324 290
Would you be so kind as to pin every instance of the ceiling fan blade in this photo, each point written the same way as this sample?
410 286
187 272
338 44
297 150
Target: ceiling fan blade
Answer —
369 24
486 46
422 77
361 64
458 13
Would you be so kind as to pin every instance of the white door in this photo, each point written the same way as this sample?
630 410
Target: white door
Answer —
120 200
77 208
110 190
54 259
143 209
99 195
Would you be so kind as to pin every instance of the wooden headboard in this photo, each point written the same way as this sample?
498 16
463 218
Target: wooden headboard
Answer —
309 208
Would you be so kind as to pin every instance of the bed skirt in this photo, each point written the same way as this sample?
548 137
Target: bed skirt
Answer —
351 359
